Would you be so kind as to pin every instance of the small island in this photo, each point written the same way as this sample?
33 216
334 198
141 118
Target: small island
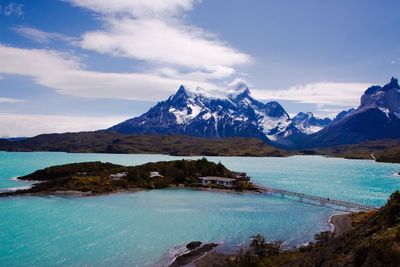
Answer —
96 178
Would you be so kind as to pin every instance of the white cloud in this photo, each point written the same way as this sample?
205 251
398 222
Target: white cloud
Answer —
217 72
1 77
67 75
158 42
154 31
11 9
6 100
136 8
30 125
239 82
41 36
323 93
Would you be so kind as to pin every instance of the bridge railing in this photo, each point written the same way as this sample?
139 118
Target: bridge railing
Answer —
322 200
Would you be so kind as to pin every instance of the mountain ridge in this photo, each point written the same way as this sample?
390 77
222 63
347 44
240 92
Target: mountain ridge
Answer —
200 113
235 113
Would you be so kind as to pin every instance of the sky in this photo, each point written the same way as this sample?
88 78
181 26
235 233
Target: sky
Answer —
76 65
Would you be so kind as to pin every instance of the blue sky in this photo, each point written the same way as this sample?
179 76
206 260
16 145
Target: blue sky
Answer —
71 65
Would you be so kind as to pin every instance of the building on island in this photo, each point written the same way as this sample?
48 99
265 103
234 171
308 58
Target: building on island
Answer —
117 176
155 174
209 180
241 176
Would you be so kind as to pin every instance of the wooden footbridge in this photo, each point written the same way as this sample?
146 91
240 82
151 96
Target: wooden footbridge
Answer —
318 200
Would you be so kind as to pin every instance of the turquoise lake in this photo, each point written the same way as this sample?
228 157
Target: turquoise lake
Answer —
147 227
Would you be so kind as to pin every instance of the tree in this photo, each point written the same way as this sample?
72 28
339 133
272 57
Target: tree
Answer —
220 169
262 248
323 237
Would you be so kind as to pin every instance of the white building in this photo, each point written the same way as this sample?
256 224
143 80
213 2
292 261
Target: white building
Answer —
118 176
208 180
155 174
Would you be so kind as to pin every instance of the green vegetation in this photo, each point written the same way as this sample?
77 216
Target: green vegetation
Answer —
94 177
374 241
111 142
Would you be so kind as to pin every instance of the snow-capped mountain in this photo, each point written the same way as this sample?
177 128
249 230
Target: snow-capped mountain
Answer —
307 123
377 117
386 98
211 114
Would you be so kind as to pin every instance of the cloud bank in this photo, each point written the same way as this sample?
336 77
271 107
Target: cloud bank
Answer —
322 93
6 100
40 36
28 125
67 75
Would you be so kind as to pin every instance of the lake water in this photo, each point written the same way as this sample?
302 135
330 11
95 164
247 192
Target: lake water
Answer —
140 229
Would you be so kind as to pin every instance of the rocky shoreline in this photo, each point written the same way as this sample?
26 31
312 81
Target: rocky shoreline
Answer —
205 255
195 251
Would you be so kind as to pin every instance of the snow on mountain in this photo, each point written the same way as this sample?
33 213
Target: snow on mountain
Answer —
206 113
307 123
386 98
234 112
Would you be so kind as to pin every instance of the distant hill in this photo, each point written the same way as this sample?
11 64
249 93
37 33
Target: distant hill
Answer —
111 142
13 138
386 150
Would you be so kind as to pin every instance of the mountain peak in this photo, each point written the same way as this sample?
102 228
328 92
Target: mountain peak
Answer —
307 123
394 80
181 90
343 114
181 94
303 115
239 86
394 84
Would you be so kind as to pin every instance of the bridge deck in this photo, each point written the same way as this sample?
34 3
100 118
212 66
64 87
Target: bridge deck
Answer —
321 200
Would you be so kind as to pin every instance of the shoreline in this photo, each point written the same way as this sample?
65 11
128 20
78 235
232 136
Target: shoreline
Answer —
340 223
76 193
206 254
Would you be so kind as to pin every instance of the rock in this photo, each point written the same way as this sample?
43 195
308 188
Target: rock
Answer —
193 254
193 245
